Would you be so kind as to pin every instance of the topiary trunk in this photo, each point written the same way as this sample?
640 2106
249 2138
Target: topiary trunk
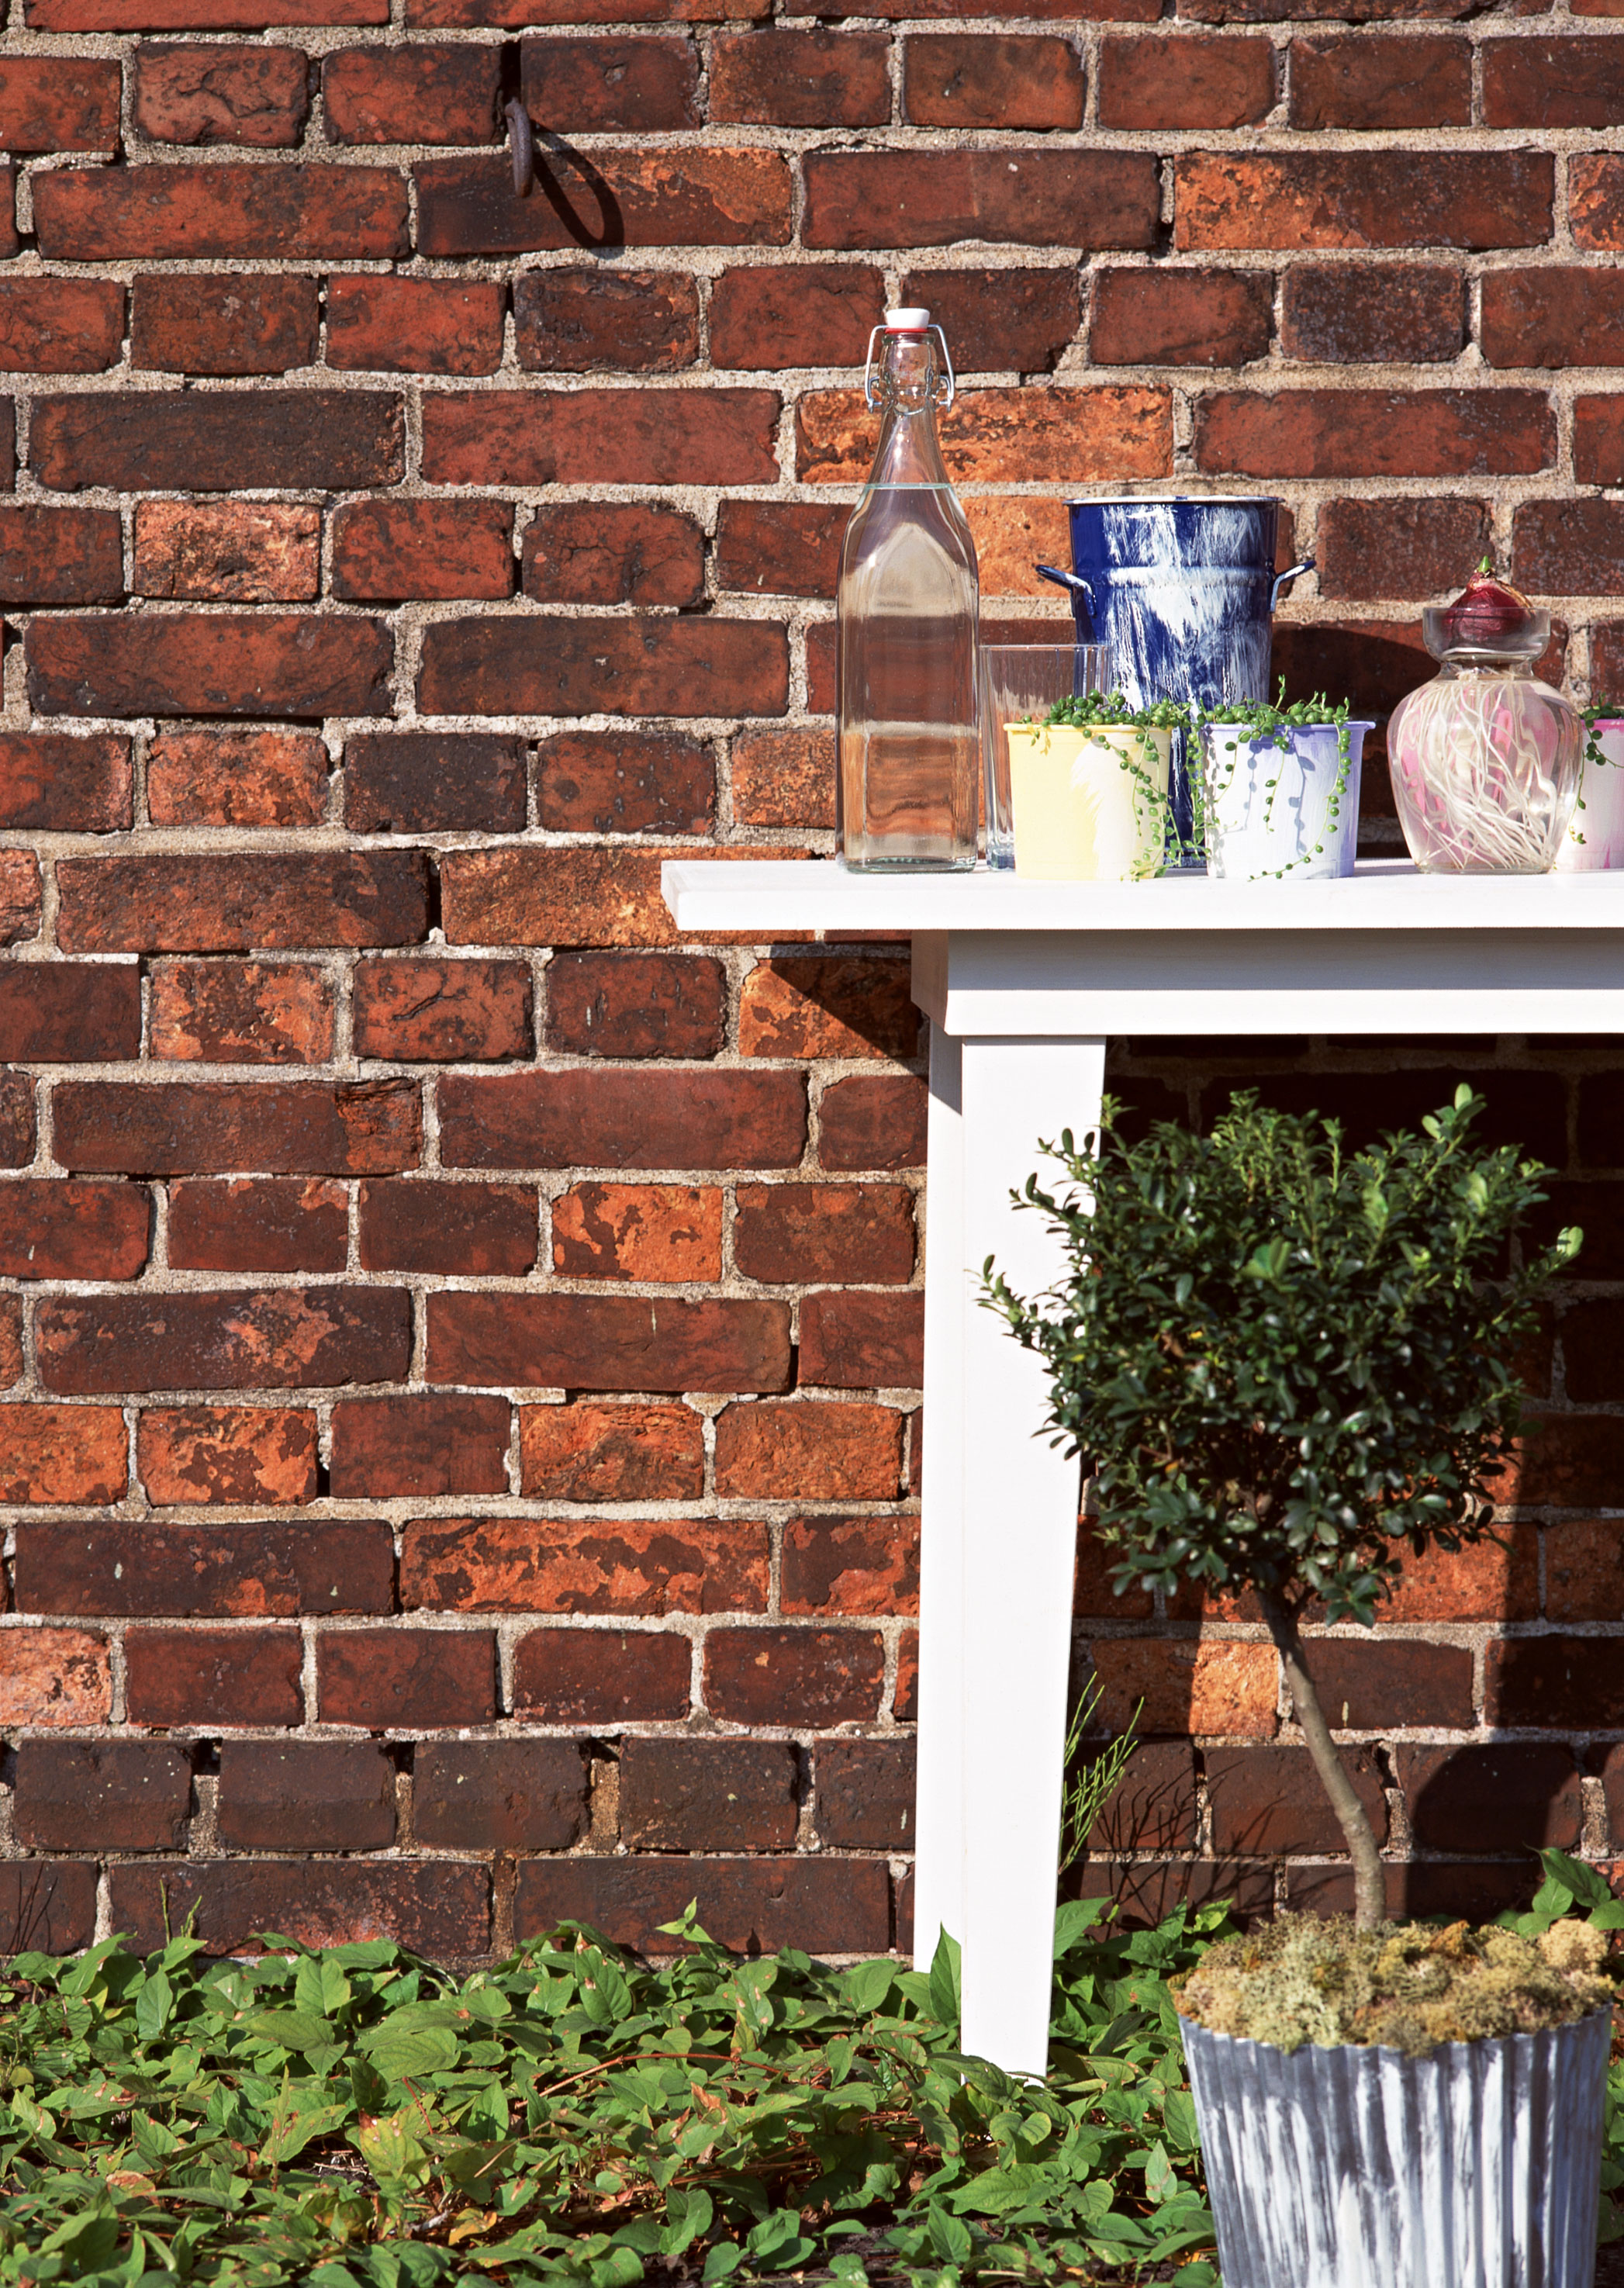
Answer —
1369 1885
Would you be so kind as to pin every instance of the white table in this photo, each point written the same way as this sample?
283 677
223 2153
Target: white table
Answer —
1022 982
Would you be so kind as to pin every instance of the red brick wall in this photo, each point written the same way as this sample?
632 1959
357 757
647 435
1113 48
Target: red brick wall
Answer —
459 1348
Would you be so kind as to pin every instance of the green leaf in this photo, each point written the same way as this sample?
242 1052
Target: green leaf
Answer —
153 2005
945 1970
392 2149
867 1984
400 2056
722 2260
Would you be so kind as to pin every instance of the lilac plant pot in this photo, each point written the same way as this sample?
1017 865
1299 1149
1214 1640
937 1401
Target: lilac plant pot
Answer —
1278 810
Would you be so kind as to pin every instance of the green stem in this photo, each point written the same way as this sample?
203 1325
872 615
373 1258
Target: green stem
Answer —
1369 1885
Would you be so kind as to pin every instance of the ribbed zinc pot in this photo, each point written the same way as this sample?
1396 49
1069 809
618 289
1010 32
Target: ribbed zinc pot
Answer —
1476 2165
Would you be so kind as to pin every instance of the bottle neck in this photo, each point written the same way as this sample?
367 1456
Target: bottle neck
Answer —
908 389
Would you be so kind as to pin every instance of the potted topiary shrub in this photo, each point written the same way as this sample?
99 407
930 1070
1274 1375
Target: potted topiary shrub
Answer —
1286 1363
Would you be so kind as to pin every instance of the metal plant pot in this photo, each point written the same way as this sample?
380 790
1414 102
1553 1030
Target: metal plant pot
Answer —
1478 2165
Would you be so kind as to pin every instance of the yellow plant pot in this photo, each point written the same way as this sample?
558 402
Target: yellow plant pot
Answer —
1087 806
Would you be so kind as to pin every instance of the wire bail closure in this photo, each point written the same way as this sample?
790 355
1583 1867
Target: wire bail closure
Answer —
870 393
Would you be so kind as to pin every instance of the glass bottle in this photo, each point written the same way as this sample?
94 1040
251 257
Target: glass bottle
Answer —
906 629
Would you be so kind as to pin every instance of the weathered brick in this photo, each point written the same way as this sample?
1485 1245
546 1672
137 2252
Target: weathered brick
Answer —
236 1454
436 549
54 1676
308 1795
1611 1763
269 1223
1376 433
797 1676
218 664
1180 317
1517 1792
765 317
227 552
1569 547
1271 1799
237 778
257 96
20 907
625 782
677 195
827 1005
600 1678
1596 202
647 85
243 1338
843 1565
499 1795
1567 1683
60 556
855 1340
904 1698
793 1233
1228 1687
403 782
1367 80
58 103
1366 1686
181 904
635 1004
414 325
60 325
1555 317
656 1232
785 548
200 212
587 1119
827 1450
1154 1807
608 1342
1290 200
1041 12
1340 313
18 1124
279 1127
865 1794
101 1795
219 441
611 552
784 778
240 322
416 94
1001 436
474 1229
241 1012
1599 440
601 436
440 1908
819 78
933 198
1573 1461
211 1571
51 1454
214 1676
441 1011
11 1340
872 1123
583 1452
399 1679
47 1904
1564 82
430 1444
1588 1331
66 785
1584 1571
682 1794
966 79
1398 547
629 1566
614 667
1186 82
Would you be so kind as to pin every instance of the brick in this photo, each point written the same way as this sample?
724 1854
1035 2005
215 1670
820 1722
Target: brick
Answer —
236 1012
244 1339
278 1127
257 96
654 1232
828 1450
1376 433
1181 317
416 94
1599 440
1573 1461
905 1700
441 1011
609 1342
399 1679
236 1454
1366 80
220 441
1369 1686
851 1565
855 1340
54 1676
312 1795
48 1905
1000 436
1185 82
228 552
60 556
1588 1330
600 1678
101 1795
1398 547
1557 317
966 79
1041 11
1570 547
624 783
11 1340
438 1908
545 666
271 1223
825 1905
414 325
784 778
677 195
626 1566
1271 1799
857 198
587 1453
635 1004
600 85
1565 81
499 1795
17 1120
58 103
514 14
1343 314
818 78
611 552
1287 199
1584 1570
61 325
211 1571
1226 1686
240 322
213 1676
480 1230
1611 1769
765 317
53 1230
864 1797
202 212
20 907
428 1444
814 1677
1596 202
51 1454
1519 1793
237 778
1567 1683
601 436
827 1005
793 1233
707 1795
433 548
587 1119
1490 1583
66 785
783 548
872 1123
564 897
219 664
181 904
404 782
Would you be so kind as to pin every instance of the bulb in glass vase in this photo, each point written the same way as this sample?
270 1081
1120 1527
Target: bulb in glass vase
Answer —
906 629
1485 759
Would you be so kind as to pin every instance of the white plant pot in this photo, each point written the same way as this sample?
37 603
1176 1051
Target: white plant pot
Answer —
1276 810
1594 842
1086 805
1478 2165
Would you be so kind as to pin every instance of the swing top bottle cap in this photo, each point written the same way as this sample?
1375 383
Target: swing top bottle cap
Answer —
906 321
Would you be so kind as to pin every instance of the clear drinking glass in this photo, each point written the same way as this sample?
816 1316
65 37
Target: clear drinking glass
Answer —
1019 681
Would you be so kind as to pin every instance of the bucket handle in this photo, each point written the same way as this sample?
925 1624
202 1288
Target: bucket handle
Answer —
1072 580
1291 572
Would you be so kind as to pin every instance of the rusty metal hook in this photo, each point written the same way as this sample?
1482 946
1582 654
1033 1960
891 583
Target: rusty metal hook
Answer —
522 142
